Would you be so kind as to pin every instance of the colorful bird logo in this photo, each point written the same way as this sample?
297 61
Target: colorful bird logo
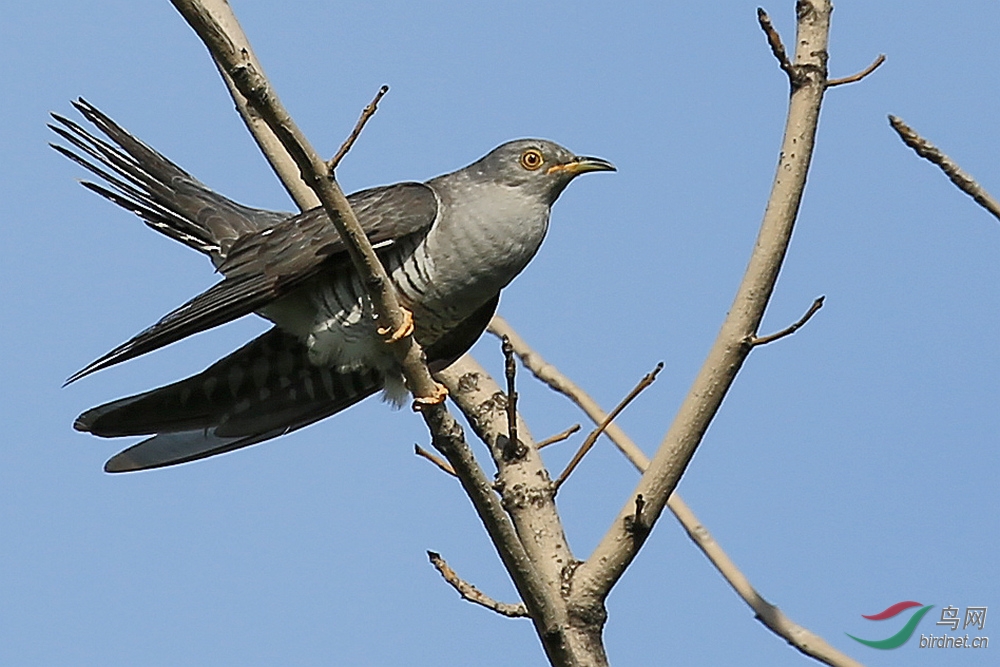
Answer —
904 634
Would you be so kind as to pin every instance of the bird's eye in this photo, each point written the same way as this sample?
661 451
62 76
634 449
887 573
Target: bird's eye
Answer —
532 159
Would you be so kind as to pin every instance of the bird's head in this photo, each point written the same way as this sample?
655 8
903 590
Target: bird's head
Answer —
536 166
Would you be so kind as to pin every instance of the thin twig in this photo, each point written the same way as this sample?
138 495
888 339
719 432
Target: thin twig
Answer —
473 594
512 449
368 112
435 459
932 153
754 341
804 640
647 380
860 75
558 437
774 40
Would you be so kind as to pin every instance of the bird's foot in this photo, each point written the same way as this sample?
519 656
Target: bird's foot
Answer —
437 398
405 329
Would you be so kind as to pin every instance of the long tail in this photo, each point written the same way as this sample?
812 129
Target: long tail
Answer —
265 389
167 198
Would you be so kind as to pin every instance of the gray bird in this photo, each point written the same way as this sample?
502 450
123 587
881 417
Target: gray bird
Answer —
449 245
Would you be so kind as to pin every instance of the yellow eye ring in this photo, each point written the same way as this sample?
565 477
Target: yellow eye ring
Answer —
532 159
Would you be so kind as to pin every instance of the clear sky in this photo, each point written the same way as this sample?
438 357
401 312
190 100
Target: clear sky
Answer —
853 465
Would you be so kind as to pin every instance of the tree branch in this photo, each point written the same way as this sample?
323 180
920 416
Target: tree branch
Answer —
473 594
860 75
801 638
366 115
512 448
594 579
442 465
559 437
774 41
647 380
279 159
932 153
529 498
754 341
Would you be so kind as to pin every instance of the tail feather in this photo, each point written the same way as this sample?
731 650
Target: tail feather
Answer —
263 390
145 182
133 199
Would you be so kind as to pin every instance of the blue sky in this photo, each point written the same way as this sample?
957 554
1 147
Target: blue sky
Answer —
853 465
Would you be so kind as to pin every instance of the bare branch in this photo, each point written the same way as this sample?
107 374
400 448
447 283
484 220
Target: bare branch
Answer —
513 448
366 114
473 594
435 459
774 41
559 437
932 153
754 341
647 380
860 75
595 577
802 639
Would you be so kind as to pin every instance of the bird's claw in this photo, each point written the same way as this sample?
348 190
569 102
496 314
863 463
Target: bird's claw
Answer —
440 393
405 329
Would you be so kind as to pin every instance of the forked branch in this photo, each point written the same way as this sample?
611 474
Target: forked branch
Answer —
770 615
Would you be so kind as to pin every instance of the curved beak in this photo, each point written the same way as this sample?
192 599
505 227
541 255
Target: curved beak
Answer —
581 165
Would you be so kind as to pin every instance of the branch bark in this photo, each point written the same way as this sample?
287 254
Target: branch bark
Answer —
528 495
962 180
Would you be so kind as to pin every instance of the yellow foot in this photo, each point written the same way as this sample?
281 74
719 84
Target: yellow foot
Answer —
405 329
440 393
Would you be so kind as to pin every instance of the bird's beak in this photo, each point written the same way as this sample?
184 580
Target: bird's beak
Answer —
581 165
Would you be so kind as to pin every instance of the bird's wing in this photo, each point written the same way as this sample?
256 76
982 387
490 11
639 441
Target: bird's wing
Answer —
265 389
262 267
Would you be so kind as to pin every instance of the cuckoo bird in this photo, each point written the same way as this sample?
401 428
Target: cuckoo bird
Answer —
449 245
